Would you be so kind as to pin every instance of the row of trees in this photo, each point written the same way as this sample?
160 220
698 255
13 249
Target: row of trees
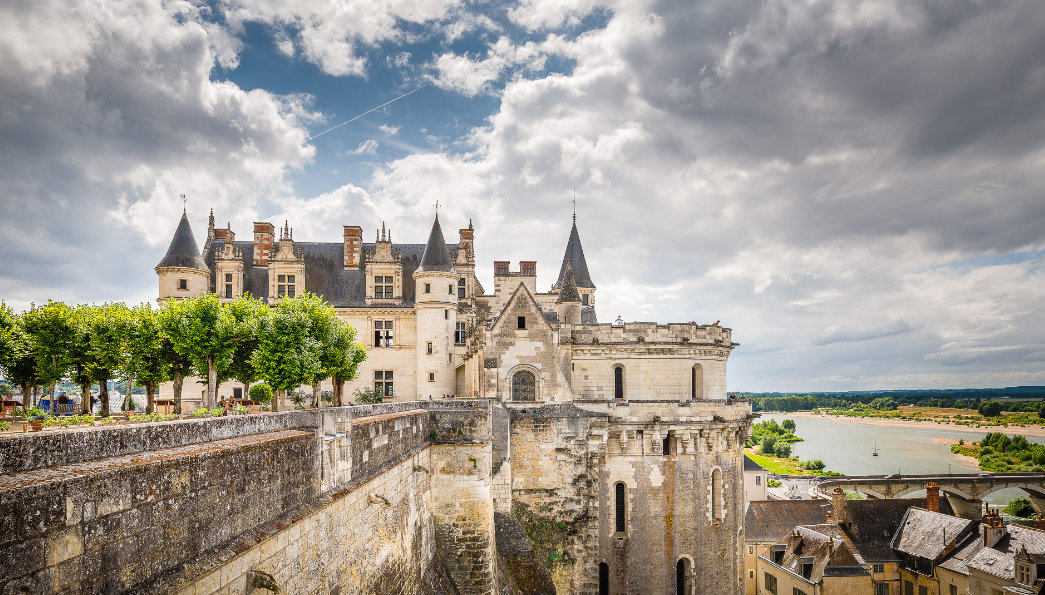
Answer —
299 341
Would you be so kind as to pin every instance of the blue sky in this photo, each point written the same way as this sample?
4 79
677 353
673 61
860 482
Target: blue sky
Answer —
854 187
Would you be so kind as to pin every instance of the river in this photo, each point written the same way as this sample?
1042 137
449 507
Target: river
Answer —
847 448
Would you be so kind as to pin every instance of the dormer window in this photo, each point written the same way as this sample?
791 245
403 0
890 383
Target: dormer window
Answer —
384 288
228 285
584 299
285 285
1023 574
428 288
522 323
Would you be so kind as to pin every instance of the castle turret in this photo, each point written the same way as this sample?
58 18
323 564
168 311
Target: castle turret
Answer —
182 271
435 304
575 257
568 304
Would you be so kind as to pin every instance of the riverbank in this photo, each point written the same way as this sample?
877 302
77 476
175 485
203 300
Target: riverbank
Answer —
1037 431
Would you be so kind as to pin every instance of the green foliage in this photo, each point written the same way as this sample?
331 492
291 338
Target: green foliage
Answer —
204 412
999 453
287 355
774 439
241 409
1020 507
789 425
813 464
990 409
69 421
883 404
153 417
50 331
774 483
261 393
366 396
246 311
204 332
768 445
782 450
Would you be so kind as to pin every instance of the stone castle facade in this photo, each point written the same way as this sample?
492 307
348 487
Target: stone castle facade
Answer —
619 439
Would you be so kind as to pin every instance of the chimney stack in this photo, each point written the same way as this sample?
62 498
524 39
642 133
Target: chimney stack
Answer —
993 528
353 247
839 507
264 237
932 496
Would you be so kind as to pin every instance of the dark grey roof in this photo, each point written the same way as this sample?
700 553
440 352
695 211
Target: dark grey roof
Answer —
875 521
771 520
325 272
999 560
824 549
588 315
750 465
435 257
575 255
958 560
568 289
183 251
927 534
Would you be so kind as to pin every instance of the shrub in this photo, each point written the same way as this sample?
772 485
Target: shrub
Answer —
261 393
1019 507
367 396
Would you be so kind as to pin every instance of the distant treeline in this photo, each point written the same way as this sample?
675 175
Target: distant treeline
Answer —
1009 399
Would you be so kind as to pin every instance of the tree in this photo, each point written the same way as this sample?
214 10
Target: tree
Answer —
1041 410
287 355
990 408
769 442
50 331
17 362
107 330
8 328
789 425
782 449
147 360
261 393
81 354
204 332
338 353
169 318
348 370
246 311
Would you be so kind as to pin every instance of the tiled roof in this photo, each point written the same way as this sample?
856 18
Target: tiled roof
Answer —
999 561
770 520
815 551
435 257
575 254
875 521
928 534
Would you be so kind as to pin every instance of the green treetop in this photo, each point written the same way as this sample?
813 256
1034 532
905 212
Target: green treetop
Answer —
147 360
50 330
205 334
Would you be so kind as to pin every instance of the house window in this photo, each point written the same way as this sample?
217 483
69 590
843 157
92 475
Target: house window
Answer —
876 568
797 591
770 581
450 289
758 480
446 315
618 382
524 386
620 507
383 383
383 333
428 288
429 346
751 574
951 590
522 322
881 589
183 283
460 333
908 588
1023 574
460 289
923 591
584 299
285 285
228 290
384 287
431 376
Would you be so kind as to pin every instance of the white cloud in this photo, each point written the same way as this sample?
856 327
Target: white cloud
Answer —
389 130
468 76
367 147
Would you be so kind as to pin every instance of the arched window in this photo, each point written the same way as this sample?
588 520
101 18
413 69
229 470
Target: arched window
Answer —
618 382
696 389
604 578
716 494
524 386
620 507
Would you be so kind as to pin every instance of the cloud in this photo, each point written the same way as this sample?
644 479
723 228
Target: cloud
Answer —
389 130
839 334
367 147
470 76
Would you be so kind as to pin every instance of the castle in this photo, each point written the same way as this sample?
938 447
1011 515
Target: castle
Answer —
620 435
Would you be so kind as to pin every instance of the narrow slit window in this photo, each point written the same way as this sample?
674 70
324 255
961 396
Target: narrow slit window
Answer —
618 382
620 508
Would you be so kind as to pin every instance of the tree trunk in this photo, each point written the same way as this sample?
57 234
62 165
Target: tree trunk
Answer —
50 396
212 384
179 380
128 401
246 391
316 397
275 400
85 398
339 386
150 397
103 398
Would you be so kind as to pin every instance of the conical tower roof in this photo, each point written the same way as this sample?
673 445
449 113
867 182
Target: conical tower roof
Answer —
435 258
575 255
568 290
183 251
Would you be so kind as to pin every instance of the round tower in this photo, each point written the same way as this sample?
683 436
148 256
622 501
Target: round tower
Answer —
183 272
435 305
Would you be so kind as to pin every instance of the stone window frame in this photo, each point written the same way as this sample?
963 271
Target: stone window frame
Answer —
286 285
384 379
620 509
690 574
694 394
460 333
384 287
716 496
384 332
537 381
619 395
183 284
460 288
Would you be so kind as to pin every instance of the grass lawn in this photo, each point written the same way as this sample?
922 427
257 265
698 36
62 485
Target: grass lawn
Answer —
775 465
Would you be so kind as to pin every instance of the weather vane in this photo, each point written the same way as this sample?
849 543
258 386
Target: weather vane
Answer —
184 203
575 204
436 207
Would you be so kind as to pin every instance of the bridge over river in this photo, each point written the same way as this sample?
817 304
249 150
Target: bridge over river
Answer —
965 492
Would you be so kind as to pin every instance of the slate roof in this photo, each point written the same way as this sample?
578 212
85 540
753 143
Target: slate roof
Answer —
575 255
325 272
568 289
770 520
750 465
824 549
875 521
999 560
435 257
958 561
183 251
927 534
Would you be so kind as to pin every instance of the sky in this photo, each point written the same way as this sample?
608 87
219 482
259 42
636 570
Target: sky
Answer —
854 187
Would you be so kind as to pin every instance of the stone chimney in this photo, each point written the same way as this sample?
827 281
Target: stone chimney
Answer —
839 507
353 247
465 247
993 528
932 496
264 237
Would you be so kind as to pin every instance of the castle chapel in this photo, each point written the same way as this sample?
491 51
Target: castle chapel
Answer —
622 432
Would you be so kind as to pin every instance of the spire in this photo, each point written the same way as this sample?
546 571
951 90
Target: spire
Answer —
183 251
575 255
435 258
568 290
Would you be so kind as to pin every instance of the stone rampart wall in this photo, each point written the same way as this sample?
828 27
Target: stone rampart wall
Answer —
651 332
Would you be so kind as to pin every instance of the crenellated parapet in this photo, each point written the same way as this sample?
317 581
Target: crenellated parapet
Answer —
710 335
